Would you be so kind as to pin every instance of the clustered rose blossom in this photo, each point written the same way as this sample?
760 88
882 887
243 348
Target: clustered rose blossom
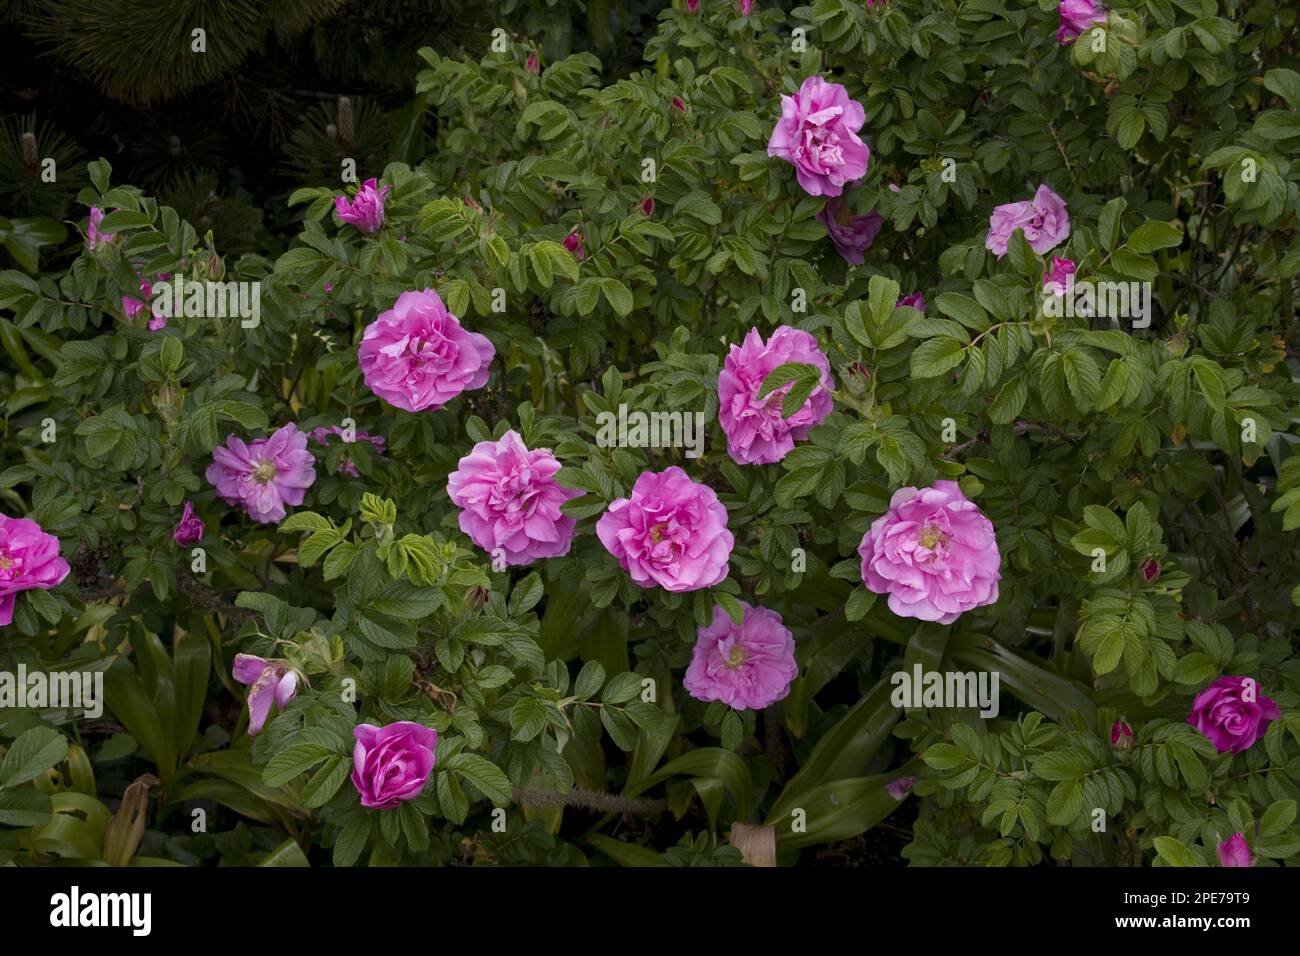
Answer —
509 500
933 552
1077 16
851 234
573 242
264 475
900 787
757 433
417 356
391 764
321 435
267 681
1044 219
29 560
1235 851
914 301
366 209
1057 278
670 532
818 135
190 529
1232 713
95 237
748 665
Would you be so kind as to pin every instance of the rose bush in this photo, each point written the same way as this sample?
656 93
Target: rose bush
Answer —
1098 509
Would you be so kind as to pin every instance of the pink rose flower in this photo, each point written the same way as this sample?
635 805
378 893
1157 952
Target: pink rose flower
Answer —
533 65
391 764
267 681
1121 735
692 6
265 475
1077 16
1057 279
1232 713
746 7
573 242
417 356
679 104
190 529
1044 219
1150 570
914 301
509 499
671 532
757 434
1235 851
851 234
933 552
818 134
901 787
29 560
366 210
747 666
648 206
95 237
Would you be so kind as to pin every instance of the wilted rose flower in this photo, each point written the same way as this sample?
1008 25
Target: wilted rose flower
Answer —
509 500
757 433
914 301
747 666
391 764
1057 278
1044 219
900 787
933 552
190 529
851 234
671 532
818 134
533 65
573 242
267 681
1232 713
1121 735
1077 16
1235 851
265 475
95 237
29 560
417 356
366 210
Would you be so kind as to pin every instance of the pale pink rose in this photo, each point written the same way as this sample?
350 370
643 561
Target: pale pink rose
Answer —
265 475
417 356
391 764
747 666
671 532
851 234
818 134
1044 219
95 237
757 433
1058 278
1235 851
29 560
267 681
933 552
509 500
1077 16
366 209
914 301
1232 713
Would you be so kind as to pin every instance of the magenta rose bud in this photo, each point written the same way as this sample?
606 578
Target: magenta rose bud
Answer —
746 7
914 301
933 552
265 475
391 764
748 665
366 210
1044 219
671 532
533 65
818 135
509 500
573 242
757 433
1077 16
679 104
901 787
96 237
1235 851
851 234
417 356
190 529
647 206
1056 280
29 560
1150 570
692 6
1232 713
1121 735
267 682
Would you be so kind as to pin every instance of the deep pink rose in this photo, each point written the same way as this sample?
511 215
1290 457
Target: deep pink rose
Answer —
366 210
573 242
679 104
851 234
757 434
1150 570
509 499
747 666
933 552
417 355
671 532
648 206
914 301
1044 219
95 237
746 7
533 65
267 681
29 559
900 787
190 529
1057 279
818 134
391 764
1077 16
1121 735
1232 713
1235 851
265 475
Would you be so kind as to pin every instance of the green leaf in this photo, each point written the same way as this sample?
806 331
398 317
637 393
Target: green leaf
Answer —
31 754
1154 235
489 779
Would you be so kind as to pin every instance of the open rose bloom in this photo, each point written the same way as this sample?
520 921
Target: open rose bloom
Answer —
1076 17
748 665
418 357
1044 220
1232 713
818 135
366 209
933 552
264 475
391 764
267 682
29 559
509 500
